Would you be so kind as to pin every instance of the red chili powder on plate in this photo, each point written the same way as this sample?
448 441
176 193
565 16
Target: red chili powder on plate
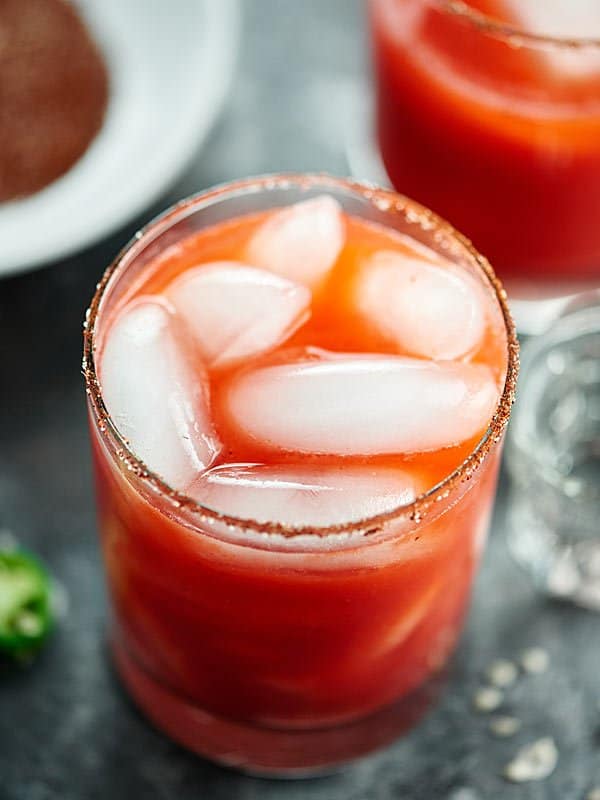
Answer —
53 93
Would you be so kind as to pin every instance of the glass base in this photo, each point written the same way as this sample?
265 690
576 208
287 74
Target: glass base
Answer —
269 752
360 146
535 315
534 307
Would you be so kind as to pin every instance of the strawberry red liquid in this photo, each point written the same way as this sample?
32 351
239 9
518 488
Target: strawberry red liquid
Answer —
502 140
265 651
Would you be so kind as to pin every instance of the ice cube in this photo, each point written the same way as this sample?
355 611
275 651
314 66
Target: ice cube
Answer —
300 242
564 19
567 19
156 398
357 404
235 311
303 495
436 311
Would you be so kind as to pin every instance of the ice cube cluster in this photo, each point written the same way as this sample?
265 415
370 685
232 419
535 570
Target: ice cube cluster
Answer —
218 318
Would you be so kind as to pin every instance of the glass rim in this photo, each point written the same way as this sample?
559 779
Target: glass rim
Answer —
511 32
385 200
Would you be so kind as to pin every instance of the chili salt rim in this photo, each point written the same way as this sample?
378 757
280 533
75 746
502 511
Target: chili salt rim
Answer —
384 200
513 34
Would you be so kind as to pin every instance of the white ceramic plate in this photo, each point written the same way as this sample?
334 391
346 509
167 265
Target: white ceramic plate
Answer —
170 66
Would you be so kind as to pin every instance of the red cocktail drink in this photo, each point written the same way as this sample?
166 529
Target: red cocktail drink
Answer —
297 394
495 125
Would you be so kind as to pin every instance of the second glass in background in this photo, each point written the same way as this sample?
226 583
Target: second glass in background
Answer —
498 130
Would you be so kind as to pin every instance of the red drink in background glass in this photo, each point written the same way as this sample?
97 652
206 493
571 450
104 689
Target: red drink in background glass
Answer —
285 594
496 126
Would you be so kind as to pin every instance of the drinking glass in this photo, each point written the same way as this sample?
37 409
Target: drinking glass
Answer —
553 455
279 650
497 130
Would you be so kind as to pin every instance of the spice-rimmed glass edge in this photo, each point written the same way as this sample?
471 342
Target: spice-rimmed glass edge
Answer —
383 200
511 33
